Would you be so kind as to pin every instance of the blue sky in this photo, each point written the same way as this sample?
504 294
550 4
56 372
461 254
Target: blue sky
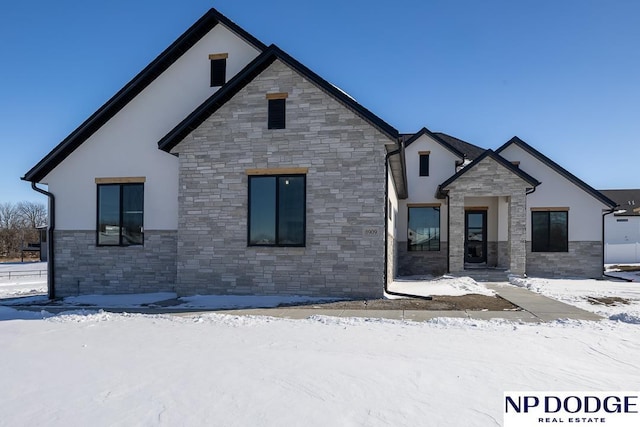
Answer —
562 75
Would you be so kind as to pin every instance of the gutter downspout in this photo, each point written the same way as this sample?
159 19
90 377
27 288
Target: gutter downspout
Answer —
386 229
448 232
51 283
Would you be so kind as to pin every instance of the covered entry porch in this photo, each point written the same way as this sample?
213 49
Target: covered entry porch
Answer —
487 215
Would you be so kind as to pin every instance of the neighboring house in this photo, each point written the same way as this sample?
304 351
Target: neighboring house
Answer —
228 167
622 230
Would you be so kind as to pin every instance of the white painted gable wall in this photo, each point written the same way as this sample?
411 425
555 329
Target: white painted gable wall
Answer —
126 146
423 189
585 219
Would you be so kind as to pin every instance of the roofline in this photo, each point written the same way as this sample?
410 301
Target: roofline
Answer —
495 156
143 79
425 131
248 73
562 171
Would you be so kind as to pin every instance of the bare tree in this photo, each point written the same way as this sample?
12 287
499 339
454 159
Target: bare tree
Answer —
9 216
18 224
32 214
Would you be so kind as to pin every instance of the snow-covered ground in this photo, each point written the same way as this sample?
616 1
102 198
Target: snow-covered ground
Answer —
116 369
591 295
22 279
99 369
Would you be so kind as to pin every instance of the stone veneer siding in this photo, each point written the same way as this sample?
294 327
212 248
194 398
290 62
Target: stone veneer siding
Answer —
420 263
344 154
488 178
83 268
584 259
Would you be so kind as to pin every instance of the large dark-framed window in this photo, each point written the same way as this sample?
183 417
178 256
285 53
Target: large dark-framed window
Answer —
424 163
120 214
423 233
550 231
218 69
277 210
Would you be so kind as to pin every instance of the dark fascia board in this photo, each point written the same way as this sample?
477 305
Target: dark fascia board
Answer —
244 77
170 55
445 144
504 162
562 171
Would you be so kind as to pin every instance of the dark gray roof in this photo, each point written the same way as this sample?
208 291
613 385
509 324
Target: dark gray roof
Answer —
627 199
470 151
457 146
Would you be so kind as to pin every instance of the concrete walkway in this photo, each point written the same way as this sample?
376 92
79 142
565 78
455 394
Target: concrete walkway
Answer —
535 308
545 309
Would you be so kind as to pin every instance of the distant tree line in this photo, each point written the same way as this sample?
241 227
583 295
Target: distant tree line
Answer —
18 223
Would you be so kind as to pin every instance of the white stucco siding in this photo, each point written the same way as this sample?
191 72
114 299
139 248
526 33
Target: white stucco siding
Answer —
126 146
392 202
422 189
585 211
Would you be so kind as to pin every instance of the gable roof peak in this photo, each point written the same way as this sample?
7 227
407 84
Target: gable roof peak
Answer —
246 75
134 87
559 169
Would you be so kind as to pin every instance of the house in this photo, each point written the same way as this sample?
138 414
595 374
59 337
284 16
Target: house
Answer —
228 167
622 230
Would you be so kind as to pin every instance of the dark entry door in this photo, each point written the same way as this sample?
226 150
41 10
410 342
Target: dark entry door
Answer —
475 243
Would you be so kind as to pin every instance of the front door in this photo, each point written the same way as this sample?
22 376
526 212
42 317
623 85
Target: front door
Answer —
475 242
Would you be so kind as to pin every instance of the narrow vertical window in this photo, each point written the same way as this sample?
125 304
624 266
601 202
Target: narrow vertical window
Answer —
424 164
120 214
218 69
276 110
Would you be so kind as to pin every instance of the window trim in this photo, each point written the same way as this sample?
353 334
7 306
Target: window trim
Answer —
277 207
548 212
120 182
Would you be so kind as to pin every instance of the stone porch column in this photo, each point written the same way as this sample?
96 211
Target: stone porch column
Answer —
517 233
456 232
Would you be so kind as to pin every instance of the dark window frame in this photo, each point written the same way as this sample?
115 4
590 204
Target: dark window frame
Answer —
120 214
549 246
218 72
424 164
277 113
424 248
276 177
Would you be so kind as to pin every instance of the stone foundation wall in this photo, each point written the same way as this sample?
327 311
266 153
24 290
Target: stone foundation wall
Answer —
584 259
418 263
83 268
504 259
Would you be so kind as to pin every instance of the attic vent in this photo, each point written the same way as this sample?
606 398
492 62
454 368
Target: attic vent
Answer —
218 68
277 110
